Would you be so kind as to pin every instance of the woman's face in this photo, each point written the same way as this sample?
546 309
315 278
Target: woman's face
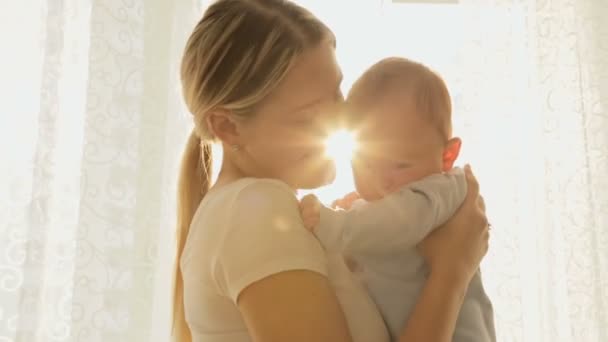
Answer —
284 139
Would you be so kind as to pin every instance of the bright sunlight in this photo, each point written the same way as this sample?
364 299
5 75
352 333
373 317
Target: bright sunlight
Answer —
341 145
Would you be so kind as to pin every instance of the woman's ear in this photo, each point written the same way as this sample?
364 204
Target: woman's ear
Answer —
450 153
223 126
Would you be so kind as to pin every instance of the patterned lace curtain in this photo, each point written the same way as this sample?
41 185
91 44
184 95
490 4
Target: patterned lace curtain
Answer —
91 130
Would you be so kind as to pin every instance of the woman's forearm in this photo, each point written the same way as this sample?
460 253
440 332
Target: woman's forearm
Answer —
434 316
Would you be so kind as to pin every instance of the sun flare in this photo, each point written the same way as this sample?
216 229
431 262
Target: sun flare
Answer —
341 145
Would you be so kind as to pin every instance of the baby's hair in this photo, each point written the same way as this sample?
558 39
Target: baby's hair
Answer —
424 86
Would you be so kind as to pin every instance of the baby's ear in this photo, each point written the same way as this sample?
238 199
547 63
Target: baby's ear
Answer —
450 153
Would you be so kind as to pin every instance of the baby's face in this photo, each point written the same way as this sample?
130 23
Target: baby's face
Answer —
396 147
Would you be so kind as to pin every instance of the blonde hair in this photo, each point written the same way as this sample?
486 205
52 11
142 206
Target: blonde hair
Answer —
427 89
235 57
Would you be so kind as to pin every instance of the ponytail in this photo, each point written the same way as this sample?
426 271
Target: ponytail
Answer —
194 182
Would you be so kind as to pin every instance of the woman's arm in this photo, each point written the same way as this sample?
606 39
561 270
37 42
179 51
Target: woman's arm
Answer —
275 271
434 316
297 306
453 253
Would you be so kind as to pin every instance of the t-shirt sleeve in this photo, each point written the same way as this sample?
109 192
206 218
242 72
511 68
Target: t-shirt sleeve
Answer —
265 236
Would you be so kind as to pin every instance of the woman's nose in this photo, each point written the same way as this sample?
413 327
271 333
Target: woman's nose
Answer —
335 111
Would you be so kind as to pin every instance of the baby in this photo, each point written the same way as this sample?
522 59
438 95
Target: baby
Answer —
404 176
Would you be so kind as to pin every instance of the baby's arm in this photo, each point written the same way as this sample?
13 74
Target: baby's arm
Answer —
397 222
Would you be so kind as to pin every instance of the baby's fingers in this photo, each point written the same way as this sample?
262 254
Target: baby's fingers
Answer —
310 208
310 223
309 203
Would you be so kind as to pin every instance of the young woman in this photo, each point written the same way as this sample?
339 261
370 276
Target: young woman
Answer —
261 77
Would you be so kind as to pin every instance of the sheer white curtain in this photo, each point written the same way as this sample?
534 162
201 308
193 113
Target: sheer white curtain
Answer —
92 126
91 131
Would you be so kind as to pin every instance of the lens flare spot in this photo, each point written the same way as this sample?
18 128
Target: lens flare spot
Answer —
341 145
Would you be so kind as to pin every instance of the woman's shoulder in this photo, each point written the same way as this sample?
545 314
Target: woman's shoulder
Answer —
266 186
255 203
255 193
244 212
260 233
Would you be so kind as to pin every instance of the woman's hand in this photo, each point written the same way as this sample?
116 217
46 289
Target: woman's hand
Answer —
453 253
456 248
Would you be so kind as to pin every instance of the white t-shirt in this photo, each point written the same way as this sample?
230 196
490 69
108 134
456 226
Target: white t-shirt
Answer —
246 231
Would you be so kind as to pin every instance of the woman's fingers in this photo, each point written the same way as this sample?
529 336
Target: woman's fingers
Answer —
472 184
486 239
481 203
476 199
461 243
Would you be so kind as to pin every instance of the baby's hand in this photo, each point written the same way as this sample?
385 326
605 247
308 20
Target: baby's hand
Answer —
310 209
345 202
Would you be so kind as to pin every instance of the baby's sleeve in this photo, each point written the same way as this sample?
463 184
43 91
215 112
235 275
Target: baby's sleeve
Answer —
266 236
400 220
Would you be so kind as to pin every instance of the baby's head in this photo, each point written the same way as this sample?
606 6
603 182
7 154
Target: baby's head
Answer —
401 111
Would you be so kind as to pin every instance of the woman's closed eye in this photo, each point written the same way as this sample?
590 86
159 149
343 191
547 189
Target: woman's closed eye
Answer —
305 122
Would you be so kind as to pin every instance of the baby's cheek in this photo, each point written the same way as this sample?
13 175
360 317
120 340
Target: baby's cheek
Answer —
367 183
360 172
399 179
